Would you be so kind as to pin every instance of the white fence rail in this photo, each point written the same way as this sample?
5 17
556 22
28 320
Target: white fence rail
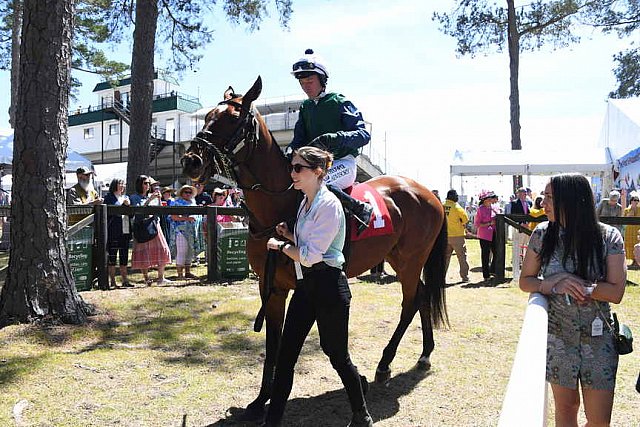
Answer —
525 401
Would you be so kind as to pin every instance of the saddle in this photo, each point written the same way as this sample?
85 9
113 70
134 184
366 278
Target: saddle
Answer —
380 223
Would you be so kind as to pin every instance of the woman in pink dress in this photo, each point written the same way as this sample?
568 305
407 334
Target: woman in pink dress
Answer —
486 225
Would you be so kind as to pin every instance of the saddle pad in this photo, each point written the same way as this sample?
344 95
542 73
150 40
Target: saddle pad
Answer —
380 224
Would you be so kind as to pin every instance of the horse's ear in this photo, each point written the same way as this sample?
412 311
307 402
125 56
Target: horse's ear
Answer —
252 94
228 94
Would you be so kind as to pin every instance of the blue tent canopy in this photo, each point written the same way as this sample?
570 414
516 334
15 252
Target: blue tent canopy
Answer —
73 161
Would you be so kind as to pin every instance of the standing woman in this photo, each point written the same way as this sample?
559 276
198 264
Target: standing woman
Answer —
185 233
118 234
631 231
322 294
485 221
579 264
155 252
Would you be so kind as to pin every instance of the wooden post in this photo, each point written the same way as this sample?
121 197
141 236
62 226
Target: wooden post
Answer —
100 232
212 243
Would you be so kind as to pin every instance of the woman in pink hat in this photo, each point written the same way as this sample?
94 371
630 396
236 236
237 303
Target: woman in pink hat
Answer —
486 224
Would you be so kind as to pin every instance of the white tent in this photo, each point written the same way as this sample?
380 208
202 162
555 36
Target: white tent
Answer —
595 162
621 134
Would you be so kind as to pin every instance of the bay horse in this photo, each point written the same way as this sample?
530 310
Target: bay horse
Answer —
235 142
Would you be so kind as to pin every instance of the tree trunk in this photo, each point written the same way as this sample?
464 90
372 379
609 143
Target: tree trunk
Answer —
514 95
142 71
15 59
39 284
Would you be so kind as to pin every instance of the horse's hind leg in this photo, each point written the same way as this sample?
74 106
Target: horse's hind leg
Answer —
383 371
428 344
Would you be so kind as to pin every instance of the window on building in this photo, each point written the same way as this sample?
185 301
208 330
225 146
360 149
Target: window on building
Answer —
88 133
113 129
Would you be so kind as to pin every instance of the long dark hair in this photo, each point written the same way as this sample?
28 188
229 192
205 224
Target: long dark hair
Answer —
574 207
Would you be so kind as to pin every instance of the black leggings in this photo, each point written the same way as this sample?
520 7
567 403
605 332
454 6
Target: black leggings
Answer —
322 296
119 246
487 255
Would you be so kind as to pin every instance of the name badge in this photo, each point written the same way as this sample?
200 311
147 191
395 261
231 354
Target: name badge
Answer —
298 270
596 327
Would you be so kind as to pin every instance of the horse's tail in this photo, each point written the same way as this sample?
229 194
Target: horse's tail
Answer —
434 280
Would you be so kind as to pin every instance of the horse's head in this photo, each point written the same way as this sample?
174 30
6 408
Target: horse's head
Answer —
228 132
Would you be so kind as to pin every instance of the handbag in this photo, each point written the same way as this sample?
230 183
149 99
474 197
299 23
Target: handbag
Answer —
145 230
623 338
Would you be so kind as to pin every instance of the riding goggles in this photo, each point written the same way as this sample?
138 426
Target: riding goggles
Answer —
304 66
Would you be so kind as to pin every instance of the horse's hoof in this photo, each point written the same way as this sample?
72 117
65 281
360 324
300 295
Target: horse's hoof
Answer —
383 376
254 412
424 364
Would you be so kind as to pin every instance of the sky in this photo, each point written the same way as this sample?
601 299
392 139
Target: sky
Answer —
424 103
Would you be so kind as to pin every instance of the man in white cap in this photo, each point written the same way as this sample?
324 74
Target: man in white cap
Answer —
329 121
611 207
83 193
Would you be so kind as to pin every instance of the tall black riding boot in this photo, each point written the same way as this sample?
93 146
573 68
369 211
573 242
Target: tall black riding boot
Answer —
360 210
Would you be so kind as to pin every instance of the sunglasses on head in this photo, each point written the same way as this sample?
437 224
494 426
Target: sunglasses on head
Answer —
297 168
304 65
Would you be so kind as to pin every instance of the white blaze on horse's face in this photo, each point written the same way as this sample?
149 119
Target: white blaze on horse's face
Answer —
217 112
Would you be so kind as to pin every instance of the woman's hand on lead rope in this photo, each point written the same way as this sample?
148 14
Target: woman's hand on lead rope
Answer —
274 244
283 230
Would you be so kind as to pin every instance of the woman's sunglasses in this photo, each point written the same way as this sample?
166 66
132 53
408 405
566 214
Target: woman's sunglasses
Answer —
297 168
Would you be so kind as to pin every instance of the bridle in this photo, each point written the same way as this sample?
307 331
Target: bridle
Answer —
244 138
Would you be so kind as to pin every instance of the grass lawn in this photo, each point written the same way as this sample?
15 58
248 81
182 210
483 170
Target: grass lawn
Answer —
154 354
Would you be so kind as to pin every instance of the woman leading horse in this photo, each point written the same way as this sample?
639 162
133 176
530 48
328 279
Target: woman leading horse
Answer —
235 142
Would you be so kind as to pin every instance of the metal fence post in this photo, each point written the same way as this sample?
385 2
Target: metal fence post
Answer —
500 243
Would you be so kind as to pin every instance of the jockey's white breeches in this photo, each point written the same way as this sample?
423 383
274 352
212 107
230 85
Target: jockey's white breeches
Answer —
342 173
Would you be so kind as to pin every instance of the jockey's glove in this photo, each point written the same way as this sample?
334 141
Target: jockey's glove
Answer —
327 142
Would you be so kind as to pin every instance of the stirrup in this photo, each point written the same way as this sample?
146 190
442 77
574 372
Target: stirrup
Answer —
367 210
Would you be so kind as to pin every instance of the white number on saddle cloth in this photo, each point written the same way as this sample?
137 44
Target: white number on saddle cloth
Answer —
378 219
596 327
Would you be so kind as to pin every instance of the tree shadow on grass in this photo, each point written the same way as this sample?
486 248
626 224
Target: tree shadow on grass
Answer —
332 408
184 330
11 367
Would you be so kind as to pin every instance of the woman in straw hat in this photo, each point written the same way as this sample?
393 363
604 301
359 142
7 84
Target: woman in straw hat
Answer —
486 224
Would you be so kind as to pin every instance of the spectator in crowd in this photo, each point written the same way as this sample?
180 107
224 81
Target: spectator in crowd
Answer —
520 206
202 198
486 226
437 194
329 121
185 233
536 211
323 295
118 234
155 252
456 221
611 207
233 199
636 250
578 263
83 193
165 220
631 231
220 199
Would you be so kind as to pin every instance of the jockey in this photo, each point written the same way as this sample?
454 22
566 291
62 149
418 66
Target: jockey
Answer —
329 121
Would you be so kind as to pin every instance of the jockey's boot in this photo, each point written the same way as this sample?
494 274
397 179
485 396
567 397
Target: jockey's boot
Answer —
361 418
361 211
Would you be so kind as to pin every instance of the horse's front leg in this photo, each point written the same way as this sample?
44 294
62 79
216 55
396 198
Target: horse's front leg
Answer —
274 323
